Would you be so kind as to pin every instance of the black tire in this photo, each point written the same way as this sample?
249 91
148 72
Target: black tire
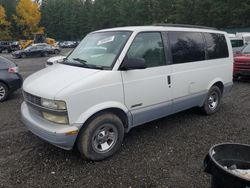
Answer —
57 51
4 92
45 54
213 101
93 132
23 55
235 77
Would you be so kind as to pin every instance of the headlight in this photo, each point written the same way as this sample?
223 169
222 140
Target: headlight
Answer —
61 119
52 104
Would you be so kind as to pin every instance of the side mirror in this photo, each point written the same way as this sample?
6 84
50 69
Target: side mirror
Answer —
133 63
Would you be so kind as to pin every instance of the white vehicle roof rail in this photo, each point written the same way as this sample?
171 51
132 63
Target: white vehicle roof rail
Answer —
184 25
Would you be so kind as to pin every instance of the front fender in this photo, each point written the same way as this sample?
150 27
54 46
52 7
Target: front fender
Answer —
102 106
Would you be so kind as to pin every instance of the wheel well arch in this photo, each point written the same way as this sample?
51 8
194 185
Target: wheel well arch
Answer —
220 85
1 81
117 111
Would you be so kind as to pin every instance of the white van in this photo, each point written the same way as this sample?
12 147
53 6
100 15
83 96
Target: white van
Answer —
119 78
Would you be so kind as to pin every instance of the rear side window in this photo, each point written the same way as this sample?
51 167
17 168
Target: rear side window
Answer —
148 46
216 46
187 46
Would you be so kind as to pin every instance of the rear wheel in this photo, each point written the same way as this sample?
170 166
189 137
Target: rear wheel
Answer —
45 54
23 55
213 101
101 137
3 92
57 52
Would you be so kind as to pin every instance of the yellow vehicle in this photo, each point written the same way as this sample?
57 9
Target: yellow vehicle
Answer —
38 38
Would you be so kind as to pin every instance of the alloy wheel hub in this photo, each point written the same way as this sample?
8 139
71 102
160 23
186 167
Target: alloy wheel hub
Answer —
2 92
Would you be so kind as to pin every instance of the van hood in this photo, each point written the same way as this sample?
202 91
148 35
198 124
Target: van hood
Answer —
48 82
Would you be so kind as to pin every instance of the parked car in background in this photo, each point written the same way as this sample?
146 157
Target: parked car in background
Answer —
40 49
237 44
9 46
120 78
242 63
68 44
10 79
50 48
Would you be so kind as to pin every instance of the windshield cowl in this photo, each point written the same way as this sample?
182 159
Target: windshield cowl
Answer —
82 64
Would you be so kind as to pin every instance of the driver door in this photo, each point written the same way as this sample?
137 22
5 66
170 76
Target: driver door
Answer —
148 91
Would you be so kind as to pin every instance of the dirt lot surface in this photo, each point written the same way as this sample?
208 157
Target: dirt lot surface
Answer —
163 153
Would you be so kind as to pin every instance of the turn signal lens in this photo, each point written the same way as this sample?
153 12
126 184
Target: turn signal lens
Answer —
56 118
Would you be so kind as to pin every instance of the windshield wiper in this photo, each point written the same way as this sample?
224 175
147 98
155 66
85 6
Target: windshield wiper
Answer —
80 60
84 63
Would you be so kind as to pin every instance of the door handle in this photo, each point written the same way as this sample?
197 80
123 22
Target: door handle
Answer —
169 80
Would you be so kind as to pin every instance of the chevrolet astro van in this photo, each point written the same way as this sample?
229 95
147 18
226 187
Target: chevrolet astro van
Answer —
120 78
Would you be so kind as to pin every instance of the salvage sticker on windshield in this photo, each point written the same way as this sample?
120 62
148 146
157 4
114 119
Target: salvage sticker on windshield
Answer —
106 40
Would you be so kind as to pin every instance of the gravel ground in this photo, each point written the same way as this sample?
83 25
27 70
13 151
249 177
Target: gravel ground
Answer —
163 153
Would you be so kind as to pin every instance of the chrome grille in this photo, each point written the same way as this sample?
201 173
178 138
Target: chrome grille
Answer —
32 98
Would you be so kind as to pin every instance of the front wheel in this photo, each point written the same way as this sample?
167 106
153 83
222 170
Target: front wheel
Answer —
101 137
23 55
3 92
57 51
213 101
45 54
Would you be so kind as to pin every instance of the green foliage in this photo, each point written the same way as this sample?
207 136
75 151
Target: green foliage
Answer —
73 19
4 25
9 6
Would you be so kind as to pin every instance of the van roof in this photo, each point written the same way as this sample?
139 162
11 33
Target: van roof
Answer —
170 27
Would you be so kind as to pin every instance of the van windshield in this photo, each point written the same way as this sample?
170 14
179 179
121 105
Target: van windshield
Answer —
99 50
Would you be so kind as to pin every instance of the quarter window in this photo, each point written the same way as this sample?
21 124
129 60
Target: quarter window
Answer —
216 46
187 46
148 46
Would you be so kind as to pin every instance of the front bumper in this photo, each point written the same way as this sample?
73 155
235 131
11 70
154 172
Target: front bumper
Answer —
53 133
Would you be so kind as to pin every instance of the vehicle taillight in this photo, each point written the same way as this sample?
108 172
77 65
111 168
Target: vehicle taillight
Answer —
13 70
